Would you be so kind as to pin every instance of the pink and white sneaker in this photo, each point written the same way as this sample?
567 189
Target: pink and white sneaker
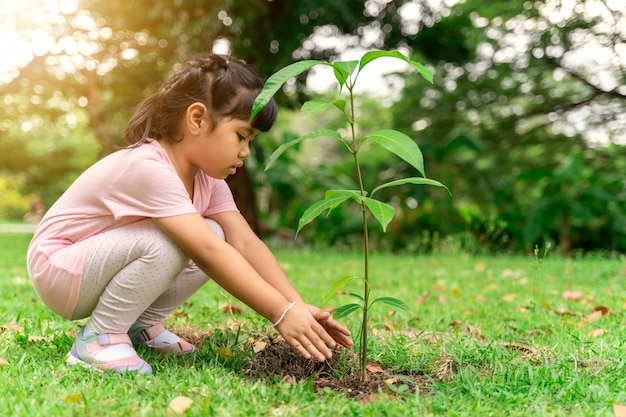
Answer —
107 352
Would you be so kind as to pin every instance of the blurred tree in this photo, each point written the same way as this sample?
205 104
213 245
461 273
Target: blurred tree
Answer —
544 91
105 55
520 86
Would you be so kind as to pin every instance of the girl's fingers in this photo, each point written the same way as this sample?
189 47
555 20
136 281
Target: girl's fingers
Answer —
313 334
338 332
312 348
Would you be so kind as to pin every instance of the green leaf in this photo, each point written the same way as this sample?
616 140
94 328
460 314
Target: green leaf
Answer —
357 296
282 148
337 286
341 105
372 55
400 144
343 311
412 180
318 207
335 195
394 302
315 106
353 194
383 212
343 70
276 81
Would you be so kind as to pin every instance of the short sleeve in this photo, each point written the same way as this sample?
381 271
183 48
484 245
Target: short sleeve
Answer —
221 199
148 188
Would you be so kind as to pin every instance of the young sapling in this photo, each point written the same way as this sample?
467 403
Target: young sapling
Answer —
394 141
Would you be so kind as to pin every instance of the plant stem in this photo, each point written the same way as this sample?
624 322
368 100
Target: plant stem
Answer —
366 284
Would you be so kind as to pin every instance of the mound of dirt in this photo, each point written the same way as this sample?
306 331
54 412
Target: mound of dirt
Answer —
278 360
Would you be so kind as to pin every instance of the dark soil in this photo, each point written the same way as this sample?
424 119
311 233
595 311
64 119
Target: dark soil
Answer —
278 360
274 360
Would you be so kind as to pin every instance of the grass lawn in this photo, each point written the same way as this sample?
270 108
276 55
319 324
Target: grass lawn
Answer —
497 336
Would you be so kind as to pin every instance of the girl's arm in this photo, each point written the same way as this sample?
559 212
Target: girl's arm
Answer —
241 237
229 269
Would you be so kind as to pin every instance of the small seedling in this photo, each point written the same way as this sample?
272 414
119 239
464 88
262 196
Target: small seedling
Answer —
394 141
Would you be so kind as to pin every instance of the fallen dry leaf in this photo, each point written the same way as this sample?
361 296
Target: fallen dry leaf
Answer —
423 298
474 332
178 406
12 325
442 300
597 332
593 316
388 324
288 379
259 346
509 297
35 339
525 351
479 267
543 330
4 362
568 312
19 281
605 310
375 369
573 295
372 398
619 410
391 381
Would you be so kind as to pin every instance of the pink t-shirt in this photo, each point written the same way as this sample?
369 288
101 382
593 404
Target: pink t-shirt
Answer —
126 186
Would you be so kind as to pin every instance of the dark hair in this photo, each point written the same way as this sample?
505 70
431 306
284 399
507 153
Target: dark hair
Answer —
226 86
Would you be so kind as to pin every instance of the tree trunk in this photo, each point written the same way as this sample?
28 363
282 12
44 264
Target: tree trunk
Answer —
565 238
241 187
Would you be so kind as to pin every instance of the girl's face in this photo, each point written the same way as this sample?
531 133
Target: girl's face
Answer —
220 151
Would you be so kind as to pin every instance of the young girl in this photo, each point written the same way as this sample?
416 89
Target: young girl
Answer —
144 228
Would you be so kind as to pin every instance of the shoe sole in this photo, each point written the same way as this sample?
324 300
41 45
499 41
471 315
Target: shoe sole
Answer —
72 360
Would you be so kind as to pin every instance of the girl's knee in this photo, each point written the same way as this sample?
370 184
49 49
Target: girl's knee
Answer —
216 227
154 245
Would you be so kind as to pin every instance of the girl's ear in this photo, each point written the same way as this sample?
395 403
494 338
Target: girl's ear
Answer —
196 118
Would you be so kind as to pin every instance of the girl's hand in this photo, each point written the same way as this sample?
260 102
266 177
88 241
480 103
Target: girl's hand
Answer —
302 329
336 330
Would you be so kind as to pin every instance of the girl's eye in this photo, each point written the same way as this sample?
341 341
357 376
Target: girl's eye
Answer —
241 137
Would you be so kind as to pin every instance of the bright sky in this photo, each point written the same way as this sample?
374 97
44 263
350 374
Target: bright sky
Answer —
37 15
33 15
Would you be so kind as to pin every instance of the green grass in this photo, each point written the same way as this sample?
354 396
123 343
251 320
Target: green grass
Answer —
490 332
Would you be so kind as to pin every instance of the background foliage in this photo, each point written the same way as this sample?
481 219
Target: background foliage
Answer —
525 122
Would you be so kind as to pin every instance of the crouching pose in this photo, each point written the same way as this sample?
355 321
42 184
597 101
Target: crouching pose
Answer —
144 228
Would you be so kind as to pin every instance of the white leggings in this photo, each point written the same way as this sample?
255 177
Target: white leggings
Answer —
136 272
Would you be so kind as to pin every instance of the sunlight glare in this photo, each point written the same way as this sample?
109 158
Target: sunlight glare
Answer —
23 33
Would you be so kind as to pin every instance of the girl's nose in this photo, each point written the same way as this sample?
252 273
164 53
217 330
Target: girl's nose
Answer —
245 151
